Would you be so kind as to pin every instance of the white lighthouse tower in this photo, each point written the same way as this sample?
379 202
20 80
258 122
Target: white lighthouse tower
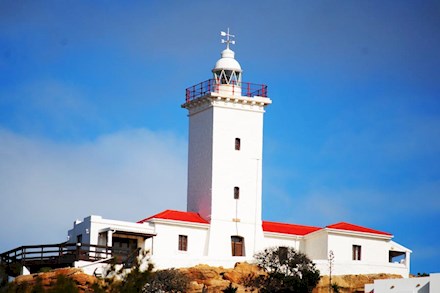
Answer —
225 157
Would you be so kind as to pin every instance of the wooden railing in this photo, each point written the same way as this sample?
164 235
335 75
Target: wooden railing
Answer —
62 254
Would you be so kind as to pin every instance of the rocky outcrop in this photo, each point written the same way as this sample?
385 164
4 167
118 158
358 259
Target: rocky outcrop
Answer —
351 283
214 279
48 280
203 278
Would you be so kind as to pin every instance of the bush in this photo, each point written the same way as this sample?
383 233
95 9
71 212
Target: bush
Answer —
287 271
170 280
147 280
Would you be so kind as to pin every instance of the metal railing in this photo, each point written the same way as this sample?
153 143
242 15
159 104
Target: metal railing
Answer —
212 86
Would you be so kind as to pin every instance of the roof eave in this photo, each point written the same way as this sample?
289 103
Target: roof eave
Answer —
283 235
178 223
358 233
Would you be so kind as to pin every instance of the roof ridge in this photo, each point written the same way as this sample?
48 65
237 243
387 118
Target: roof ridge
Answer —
356 228
177 215
284 223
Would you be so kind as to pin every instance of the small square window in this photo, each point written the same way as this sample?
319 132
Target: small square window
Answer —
236 192
356 252
237 144
183 242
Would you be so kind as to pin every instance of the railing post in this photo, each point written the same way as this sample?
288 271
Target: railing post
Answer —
78 248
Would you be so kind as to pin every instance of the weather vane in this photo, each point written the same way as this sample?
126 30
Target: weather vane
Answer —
228 38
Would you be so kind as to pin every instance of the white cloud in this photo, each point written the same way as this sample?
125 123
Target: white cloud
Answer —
45 186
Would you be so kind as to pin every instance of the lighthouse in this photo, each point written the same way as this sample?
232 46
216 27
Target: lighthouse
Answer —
225 156
223 224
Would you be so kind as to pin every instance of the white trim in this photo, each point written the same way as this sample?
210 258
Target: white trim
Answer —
283 235
357 233
179 223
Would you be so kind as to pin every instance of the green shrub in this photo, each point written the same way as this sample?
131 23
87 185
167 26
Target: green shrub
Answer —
287 271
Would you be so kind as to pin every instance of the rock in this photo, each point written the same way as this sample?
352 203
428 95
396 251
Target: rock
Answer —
206 279
215 279
351 283
48 279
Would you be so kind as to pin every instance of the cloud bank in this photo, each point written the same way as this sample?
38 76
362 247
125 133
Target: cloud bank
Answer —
46 185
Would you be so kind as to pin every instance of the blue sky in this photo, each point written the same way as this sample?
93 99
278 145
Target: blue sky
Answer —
90 117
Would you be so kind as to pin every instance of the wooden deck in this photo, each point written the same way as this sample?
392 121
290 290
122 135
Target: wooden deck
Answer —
35 257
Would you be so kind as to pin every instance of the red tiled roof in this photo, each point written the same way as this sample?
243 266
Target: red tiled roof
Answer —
288 228
177 216
268 226
356 228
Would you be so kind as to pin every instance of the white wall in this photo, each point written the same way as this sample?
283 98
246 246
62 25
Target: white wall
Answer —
200 160
372 249
167 240
316 245
165 246
352 268
374 253
240 168
91 226
277 239
215 168
429 284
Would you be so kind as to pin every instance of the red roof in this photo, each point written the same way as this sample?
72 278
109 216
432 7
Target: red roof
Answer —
177 216
288 228
351 227
268 226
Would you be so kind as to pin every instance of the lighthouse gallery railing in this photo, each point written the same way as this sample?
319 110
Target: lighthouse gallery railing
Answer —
212 86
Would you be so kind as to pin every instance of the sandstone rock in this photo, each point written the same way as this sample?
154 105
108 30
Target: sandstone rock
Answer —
351 283
49 279
206 279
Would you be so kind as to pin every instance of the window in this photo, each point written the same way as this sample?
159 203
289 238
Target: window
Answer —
237 144
183 242
79 238
282 254
236 192
356 252
397 256
123 247
237 245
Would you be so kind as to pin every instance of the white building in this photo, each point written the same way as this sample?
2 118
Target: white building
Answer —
430 284
223 222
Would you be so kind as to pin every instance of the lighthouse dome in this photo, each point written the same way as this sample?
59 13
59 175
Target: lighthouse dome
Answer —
227 62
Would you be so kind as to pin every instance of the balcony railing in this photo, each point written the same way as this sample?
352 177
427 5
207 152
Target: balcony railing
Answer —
212 86
62 255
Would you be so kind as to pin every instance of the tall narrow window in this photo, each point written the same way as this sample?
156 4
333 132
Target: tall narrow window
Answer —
183 242
79 238
282 254
236 192
237 245
356 252
237 144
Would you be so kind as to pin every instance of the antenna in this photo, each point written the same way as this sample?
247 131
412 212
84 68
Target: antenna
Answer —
228 38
